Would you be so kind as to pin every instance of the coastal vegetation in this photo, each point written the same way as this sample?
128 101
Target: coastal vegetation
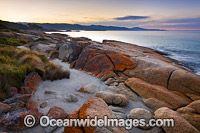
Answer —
16 64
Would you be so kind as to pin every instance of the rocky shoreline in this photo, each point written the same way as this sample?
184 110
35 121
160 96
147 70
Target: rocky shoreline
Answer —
129 70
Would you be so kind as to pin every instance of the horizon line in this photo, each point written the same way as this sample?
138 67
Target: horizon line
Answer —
168 29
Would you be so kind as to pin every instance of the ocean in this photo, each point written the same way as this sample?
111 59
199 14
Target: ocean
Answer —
183 46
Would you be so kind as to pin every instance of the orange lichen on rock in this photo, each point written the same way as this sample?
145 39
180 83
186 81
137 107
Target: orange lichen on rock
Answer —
57 113
99 65
73 129
94 107
32 105
100 62
122 62
31 83
81 89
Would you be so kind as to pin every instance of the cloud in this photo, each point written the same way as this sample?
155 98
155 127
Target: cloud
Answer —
184 20
184 23
131 17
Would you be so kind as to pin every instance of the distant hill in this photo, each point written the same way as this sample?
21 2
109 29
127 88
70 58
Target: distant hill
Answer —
27 26
63 26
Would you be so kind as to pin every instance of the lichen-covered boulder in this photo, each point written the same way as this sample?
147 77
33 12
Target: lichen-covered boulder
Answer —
73 129
57 113
93 107
31 83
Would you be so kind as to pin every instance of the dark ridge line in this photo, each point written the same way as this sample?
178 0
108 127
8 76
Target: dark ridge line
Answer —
110 60
127 69
115 71
169 78
132 90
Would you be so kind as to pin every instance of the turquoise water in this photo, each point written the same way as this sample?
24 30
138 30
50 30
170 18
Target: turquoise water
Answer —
183 46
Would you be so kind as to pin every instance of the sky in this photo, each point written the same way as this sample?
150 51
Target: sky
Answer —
159 14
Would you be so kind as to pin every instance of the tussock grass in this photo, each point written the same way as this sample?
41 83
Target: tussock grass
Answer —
15 64
32 53
54 54
54 72
30 59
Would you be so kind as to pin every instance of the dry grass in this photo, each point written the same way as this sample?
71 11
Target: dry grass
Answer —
15 64
55 72
54 54
32 52
30 59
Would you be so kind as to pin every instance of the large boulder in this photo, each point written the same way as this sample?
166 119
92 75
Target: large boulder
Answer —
123 89
151 71
195 105
96 63
185 109
101 62
110 98
185 82
31 83
43 47
73 129
155 104
121 61
193 119
65 51
147 90
180 126
91 108
70 51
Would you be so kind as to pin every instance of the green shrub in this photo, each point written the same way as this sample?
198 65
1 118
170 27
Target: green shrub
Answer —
41 39
16 30
11 41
